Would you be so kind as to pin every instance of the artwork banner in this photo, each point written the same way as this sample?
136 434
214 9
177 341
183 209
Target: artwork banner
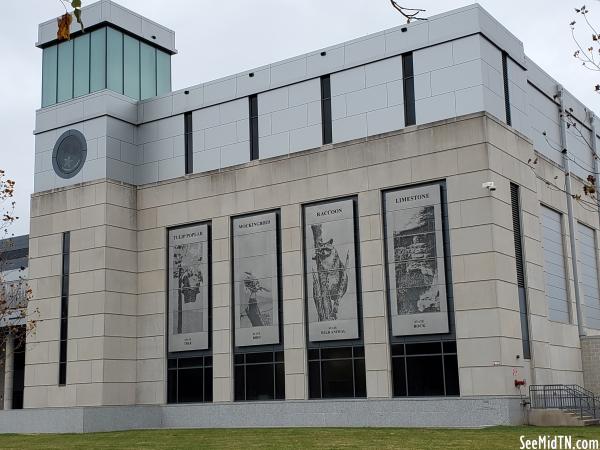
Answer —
256 280
188 296
330 271
416 267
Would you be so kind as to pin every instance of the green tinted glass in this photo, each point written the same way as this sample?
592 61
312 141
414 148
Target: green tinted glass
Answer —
81 79
131 49
114 58
163 73
98 60
65 71
49 68
148 71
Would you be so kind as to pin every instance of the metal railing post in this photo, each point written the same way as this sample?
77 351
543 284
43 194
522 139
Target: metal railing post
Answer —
572 398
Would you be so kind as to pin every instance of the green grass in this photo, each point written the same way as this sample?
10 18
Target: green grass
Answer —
281 438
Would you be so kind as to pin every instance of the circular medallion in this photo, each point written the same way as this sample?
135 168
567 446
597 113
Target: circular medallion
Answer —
69 154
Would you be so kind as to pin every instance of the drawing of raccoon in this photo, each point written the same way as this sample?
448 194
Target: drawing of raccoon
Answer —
330 282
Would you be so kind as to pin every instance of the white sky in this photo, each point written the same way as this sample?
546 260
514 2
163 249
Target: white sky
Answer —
219 38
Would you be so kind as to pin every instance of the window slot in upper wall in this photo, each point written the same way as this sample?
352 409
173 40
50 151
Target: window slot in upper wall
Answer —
326 118
188 142
408 78
253 101
506 88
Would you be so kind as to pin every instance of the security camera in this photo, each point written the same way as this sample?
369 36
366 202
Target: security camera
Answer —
490 186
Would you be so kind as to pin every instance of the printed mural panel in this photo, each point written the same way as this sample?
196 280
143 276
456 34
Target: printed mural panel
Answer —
416 268
255 280
330 264
188 288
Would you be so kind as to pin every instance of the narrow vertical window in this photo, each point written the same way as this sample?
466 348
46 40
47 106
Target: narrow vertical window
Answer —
64 309
253 100
18 386
506 88
326 109
189 143
519 260
408 77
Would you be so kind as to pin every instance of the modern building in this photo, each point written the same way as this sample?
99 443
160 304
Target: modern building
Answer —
391 231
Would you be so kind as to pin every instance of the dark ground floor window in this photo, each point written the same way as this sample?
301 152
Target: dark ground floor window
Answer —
189 379
425 369
259 376
19 373
337 372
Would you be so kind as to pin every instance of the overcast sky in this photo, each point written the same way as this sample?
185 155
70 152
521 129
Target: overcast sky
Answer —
217 38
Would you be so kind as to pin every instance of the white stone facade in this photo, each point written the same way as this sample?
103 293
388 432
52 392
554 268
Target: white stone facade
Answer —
133 187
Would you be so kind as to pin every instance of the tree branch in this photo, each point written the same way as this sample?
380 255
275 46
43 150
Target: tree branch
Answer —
409 13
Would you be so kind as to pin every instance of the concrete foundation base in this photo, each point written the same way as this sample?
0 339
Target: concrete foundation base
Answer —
457 412
553 418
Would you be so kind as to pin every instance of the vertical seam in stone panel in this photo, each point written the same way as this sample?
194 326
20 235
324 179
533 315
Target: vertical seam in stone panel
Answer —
72 71
89 89
122 63
139 74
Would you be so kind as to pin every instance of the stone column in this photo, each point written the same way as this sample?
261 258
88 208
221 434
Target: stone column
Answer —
375 322
221 304
103 345
9 372
296 386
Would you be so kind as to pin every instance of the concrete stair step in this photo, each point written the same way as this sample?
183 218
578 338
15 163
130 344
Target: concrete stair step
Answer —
591 422
585 420
557 417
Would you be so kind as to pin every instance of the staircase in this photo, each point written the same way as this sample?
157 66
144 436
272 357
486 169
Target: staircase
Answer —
584 420
563 404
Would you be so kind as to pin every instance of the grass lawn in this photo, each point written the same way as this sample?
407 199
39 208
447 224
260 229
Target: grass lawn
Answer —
409 438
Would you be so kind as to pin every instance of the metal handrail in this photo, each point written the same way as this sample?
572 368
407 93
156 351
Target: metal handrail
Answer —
567 397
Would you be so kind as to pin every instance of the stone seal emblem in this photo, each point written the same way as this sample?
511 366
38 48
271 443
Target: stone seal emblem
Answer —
70 152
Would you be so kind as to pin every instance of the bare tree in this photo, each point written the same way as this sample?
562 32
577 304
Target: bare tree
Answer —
410 13
588 54
15 321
